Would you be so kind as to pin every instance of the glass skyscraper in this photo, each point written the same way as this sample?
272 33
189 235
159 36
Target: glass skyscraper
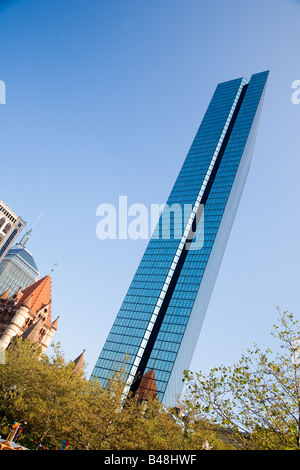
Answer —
158 325
18 269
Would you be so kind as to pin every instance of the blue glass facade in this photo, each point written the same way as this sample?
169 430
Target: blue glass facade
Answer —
159 321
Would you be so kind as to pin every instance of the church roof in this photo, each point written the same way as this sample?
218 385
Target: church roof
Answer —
19 250
5 294
38 295
33 332
79 363
147 387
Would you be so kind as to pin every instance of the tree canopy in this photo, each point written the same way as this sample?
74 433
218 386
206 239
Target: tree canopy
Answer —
254 404
56 405
257 400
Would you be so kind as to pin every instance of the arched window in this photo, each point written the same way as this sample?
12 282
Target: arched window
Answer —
2 221
42 333
6 228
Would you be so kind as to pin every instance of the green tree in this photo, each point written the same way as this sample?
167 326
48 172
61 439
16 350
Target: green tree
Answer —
41 392
104 423
19 370
257 400
54 404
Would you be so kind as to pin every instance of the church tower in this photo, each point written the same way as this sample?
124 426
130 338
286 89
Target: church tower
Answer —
27 313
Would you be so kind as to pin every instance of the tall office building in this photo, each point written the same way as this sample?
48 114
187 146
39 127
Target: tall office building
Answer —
18 269
159 322
10 227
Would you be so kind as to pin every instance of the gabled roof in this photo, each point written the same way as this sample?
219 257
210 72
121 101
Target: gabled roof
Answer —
38 295
33 332
79 363
5 294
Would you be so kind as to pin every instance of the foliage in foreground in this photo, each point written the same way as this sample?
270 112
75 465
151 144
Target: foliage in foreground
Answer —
54 404
255 404
258 399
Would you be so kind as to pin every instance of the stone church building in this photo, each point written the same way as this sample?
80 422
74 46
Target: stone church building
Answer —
27 313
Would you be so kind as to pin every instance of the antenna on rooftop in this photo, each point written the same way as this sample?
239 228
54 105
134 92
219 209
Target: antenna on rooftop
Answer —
38 219
27 235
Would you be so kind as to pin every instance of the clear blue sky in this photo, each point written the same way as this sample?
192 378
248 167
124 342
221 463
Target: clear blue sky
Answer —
103 99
